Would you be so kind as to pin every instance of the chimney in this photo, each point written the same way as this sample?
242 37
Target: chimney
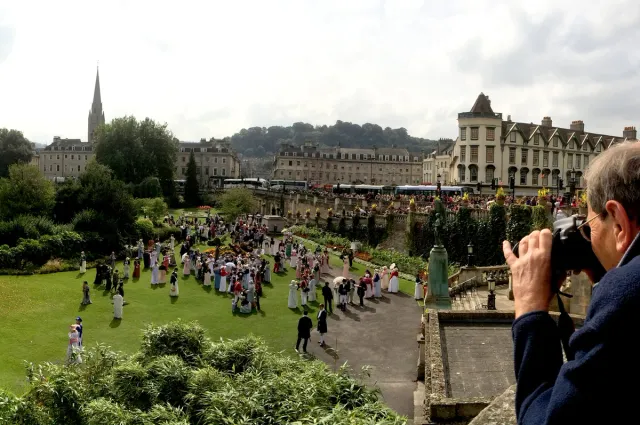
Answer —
577 125
630 133
508 118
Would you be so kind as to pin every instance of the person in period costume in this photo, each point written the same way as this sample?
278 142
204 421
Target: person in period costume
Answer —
304 331
251 294
146 259
86 300
312 290
112 259
155 274
287 249
140 248
126 265
322 324
293 295
223 279
118 302
98 279
327 294
136 268
158 248
154 258
120 290
73 348
362 289
324 259
266 272
384 276
207 275
244 305
377 280
107 279
186 269
299 268
304 293
80 328
83 263
116 280
369 282
343 290
345 267
237 290
173 287
394 283
419 292
294 258
172 243
274 247
162 277
216 277
276 263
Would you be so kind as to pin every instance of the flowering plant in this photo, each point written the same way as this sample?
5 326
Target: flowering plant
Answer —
374 206
543 193
412 201
582 200
465 197
500 193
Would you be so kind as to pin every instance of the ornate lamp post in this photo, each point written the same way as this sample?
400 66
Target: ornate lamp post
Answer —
470 255
491 298
572 183
438 185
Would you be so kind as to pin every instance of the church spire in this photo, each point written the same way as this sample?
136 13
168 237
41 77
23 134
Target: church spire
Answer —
96 114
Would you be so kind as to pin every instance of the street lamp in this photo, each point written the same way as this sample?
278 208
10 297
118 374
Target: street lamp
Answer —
491 298
470 255
438 185
572 182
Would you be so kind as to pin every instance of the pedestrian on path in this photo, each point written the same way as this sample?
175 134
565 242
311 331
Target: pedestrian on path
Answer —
304 331
322 324
327 294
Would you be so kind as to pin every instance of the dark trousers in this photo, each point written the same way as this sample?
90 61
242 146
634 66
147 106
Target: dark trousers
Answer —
328 304
304 344
257 303
361 300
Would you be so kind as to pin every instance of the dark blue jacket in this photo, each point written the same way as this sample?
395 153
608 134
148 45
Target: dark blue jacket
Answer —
601 386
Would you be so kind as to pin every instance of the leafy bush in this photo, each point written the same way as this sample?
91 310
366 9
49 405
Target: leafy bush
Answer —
164 233
229 382
144 229
148 188
26 227
540 218
519 224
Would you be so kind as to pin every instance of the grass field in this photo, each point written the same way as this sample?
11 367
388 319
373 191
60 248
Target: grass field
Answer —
37 311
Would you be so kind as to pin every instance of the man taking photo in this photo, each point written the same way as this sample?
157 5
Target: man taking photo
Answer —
600 385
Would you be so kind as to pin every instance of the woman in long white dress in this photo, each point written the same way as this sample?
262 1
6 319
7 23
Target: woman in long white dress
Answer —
223 279
385 278
294 259
345 267
126 267
174 291
83 263
394 283
293 295
187 265
207 275
155 274
312 290
419 292
118 302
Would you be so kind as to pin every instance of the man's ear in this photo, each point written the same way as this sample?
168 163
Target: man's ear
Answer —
624 228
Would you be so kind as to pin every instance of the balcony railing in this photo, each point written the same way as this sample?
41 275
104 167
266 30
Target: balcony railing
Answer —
480 115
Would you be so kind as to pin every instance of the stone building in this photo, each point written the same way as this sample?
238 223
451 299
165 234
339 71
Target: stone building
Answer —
536 155
96 114
65 158
215 161
437 163
376 166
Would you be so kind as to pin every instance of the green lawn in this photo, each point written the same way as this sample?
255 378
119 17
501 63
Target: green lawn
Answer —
37 311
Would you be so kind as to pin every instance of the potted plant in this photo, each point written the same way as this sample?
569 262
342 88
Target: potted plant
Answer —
289 214
330 212
374 207
465 199
318 212
500 196
307 213
582 203
543 196
412 204
298 214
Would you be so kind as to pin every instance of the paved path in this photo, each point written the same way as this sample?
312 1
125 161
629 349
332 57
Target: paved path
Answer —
381 335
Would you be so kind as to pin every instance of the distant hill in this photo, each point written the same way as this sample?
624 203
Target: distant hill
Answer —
261 141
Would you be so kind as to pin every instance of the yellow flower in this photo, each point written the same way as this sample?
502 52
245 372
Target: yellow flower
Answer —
374 206
543 192
500 193
465 197
412 201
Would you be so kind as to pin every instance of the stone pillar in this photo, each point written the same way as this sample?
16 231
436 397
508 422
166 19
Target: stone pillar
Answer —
580 287
315 200
438 295
336 204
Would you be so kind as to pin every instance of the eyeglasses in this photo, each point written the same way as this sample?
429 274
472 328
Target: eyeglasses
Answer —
585 228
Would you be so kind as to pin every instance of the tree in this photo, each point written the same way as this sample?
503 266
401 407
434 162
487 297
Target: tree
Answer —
25 192
136 150
191 186
14 149
235 202
67 205
149 188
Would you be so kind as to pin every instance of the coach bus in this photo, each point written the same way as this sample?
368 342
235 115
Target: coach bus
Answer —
250 182
362 189
289 185
431 190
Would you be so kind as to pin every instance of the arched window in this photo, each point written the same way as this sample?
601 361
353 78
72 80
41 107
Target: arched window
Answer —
545 177
461 172
554 178
512 172
489 173
473 173
535 175
523 175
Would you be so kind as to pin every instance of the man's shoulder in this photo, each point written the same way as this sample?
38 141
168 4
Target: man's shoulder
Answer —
621 280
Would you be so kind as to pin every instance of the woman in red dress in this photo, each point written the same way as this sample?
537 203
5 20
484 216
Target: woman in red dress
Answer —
136 268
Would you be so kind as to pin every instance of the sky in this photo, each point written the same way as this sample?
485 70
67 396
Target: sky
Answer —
210 68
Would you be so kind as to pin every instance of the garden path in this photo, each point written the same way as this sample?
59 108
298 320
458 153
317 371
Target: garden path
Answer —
381 335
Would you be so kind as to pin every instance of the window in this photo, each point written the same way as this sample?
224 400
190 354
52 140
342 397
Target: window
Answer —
490 154
184 171
184 159
50 167
536 157
512 155
545 159
71 156
461 174
578 161
474 153
215 160
489 173
85 157
534 179
290 163
206 171
554 180
215 172
463 133
513 137
586 161
473 171
570 160
58 156
523 176
298 163
536 139
491 133
584 146
463 153
224 161
555 141
474 133
224 171
78 168
525 153
555 159
57 167
545 180
65 156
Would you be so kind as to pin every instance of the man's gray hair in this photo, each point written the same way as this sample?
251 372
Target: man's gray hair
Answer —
614 175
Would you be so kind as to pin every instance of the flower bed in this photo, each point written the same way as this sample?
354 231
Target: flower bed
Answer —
364 256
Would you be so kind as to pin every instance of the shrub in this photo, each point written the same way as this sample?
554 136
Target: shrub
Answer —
235 356
167 382
25 227
164 233
519 224
144 229
182 339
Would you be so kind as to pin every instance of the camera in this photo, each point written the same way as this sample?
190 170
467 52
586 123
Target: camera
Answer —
570 250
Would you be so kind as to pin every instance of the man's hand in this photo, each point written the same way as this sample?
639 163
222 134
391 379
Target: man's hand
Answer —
531 272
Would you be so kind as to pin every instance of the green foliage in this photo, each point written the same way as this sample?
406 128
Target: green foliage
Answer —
164 233
191 187
136 150
342 226
25 192
235 202
520 221
14 149
67 200
227 382
540 218
153 208
26 227
498 223
148 188
144 229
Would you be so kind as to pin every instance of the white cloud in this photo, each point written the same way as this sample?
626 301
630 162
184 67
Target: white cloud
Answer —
210 68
